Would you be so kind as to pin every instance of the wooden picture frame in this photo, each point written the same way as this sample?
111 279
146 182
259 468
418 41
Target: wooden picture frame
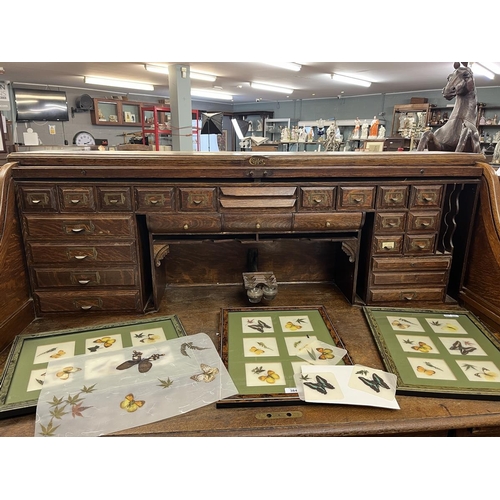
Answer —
437 353
240 331
30 354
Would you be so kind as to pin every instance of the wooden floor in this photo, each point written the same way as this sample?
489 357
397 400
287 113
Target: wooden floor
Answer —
198 308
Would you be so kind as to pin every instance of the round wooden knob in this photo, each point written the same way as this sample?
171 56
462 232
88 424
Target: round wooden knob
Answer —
186 226
257 226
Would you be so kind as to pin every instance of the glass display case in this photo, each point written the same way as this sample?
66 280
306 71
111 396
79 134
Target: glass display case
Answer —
115 112
273 128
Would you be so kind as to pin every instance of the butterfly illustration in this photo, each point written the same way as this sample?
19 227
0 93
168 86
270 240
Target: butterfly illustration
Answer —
292 326
130 404
422 347
58 354
375 383
208 373
325 353
64 373
46 352
399 325
321 385
259 326
106 341
143 364
256 350
421 369
457 346
270 378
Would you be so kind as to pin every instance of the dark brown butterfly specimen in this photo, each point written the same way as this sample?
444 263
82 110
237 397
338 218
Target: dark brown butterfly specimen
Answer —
259 326
457 346
143 365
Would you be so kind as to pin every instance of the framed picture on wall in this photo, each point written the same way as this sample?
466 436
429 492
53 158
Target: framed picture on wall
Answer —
3 147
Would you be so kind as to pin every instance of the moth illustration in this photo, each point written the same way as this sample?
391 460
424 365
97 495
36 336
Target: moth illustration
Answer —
130 404
457 346
321 385
64 373
421 369
208 373
259 326
143 364
375 383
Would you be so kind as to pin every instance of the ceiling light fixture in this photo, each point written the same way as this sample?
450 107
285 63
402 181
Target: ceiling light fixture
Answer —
495 67
477 69
211 94
272 88
115 82
286 65
195 75
348 79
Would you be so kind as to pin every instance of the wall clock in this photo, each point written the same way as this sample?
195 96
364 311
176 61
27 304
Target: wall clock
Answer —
84 139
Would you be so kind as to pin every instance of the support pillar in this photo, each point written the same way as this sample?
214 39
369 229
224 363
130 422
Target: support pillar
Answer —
179 82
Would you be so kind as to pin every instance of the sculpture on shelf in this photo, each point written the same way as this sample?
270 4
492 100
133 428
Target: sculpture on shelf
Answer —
357 129
374 128
333 138
364 130
381 132
459 133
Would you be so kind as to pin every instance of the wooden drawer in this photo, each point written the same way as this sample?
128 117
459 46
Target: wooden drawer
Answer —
406 294
388 244
328 221
149 199
77 199
79 227
419 243
390 197
312 198
88 278
111 199
426 196
257 222
62 253
390 222
92 300
415 264
38 199
197 199
355 198
424 221
257 197
410 278
183 223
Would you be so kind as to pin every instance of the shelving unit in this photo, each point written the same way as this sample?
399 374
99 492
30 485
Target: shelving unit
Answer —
115 112
273 128
488 124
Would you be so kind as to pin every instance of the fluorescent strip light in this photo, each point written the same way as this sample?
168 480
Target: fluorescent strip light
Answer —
491 66
348 79
114 82
272 88
237 129
477 69
211 95
195 75
286 65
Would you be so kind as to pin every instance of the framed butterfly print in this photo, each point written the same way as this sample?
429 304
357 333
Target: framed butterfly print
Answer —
260 348
24 371
437 353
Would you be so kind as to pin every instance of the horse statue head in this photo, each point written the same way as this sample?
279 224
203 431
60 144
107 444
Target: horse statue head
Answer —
460 82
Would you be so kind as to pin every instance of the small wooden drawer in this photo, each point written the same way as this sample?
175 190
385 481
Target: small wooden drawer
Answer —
424 221
111 199
419 243
312 198
148 199
390 222
354 198
333 221
95 300
197 199
388 244
410 278
53 278
183 223
38 199
406 294
62 253
257 197
101 226
77 199
426 196
414 264
257 223
392 197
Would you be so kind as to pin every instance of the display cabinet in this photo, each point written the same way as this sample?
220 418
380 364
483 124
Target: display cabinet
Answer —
273 128
115 112
488 125
410 120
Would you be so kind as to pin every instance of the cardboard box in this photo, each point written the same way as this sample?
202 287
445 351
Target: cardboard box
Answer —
419 100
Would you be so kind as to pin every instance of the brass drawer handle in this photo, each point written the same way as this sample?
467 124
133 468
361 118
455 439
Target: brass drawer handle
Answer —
391 224
114 200
77 229
85 308
394 198
36 202
357 200
257 226
197 202
186 226
316 200
153 202
75 201
328 224
421 246
80 257
408 297
83 282
427 198
425 224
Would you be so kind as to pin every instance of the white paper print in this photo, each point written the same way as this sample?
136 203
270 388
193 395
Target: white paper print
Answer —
296 324
417 343
260 347
462 346
147 336
483 371
406 323
264 374
112 391
255 324
445 325
317 352
45 353
429 368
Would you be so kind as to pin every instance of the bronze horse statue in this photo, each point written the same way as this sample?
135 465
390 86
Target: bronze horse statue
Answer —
459 133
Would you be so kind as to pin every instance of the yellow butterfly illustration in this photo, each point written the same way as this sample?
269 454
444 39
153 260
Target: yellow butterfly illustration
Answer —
130 404
58 354
325 353
450 328
106 341
270 378
421 369
292 326
64 373
399 325
208 373
422 347
256 350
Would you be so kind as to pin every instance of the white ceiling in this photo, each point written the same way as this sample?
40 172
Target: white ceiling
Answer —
313 81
